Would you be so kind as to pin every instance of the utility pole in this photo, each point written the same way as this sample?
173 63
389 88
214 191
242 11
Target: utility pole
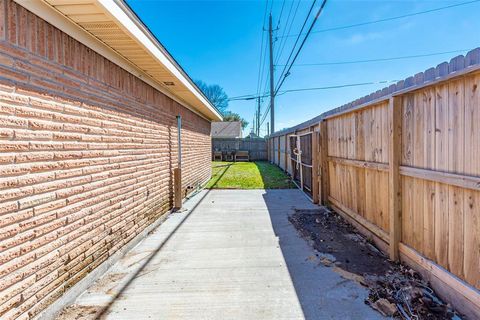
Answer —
254 124
272 92
258 117
268 127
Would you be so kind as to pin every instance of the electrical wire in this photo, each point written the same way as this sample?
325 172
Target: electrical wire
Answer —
391 18
281 12
261 65
283 40
339 86
380 59
298 38
252 96
282 80
359 84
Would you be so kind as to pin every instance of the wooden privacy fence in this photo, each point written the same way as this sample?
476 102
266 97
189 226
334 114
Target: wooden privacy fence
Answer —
257 147
403 165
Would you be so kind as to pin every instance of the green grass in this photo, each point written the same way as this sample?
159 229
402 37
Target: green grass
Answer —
247 175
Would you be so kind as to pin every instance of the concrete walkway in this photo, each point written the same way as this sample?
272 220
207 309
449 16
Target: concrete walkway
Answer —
232 255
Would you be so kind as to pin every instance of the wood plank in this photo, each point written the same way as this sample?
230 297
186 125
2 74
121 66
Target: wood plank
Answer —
385 133
418 162
407 159
177 180
461 295
384 201
278 151
458 180
365 223
456 120
360 164
315 166
324 143
352 172
471 263
441 164
360 156
407 130
394 182
429 163
376 186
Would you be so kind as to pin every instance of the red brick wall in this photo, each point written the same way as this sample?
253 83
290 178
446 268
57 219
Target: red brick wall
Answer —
86 158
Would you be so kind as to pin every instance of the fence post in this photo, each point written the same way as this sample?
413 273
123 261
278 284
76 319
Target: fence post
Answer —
395 196
268 148
286 153
324 162
315 166
278 151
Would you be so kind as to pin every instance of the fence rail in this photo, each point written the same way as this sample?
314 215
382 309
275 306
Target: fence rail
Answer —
405 169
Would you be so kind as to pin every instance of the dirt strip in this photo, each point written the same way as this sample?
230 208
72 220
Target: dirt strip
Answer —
395 290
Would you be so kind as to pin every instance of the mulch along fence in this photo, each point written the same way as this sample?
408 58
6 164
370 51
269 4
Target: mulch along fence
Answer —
403 165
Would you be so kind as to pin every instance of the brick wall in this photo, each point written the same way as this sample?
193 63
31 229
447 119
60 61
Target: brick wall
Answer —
86 158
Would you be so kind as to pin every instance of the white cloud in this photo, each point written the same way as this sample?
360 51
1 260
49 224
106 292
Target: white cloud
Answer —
358 38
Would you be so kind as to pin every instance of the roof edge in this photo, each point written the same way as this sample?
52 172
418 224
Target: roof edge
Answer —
48 13
169 61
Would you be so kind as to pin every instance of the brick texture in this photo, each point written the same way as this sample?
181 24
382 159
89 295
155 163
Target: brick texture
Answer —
86 158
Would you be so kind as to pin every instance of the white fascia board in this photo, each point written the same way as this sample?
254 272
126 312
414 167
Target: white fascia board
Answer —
58 20
129 25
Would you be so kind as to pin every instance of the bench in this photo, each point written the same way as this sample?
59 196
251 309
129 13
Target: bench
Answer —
217 156
242 156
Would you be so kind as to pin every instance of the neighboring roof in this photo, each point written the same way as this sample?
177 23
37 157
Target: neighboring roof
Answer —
457 66
112 29
232 129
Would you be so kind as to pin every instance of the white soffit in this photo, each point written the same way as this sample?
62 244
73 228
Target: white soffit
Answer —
112 24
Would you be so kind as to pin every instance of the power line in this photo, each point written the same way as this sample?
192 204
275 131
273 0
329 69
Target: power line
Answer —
282 80
338 86
298 38
283 40
390 18
281 12
379 59
360 84
261 65
288 60
252 96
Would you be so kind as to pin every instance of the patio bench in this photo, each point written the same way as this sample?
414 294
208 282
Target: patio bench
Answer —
242 156
229 156
217 156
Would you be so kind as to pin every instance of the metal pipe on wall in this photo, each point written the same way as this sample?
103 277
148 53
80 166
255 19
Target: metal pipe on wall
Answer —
179 135
177 172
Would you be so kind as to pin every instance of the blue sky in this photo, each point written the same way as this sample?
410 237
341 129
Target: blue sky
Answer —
219 42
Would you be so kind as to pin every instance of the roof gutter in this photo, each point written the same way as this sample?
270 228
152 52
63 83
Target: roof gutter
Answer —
133 25
49 13
134 17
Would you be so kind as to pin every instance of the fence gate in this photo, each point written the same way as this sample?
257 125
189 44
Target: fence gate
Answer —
301 159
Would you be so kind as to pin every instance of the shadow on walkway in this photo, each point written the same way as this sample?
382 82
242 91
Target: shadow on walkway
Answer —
322 293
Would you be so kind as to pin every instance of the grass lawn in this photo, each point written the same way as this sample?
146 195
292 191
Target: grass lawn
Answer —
247 175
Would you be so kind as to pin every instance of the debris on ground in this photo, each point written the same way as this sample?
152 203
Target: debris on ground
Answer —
79 312
385 307
395 290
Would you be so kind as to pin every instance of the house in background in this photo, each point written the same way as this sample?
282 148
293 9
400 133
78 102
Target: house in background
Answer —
224 129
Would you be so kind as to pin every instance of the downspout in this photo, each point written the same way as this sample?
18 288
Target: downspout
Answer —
177 172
